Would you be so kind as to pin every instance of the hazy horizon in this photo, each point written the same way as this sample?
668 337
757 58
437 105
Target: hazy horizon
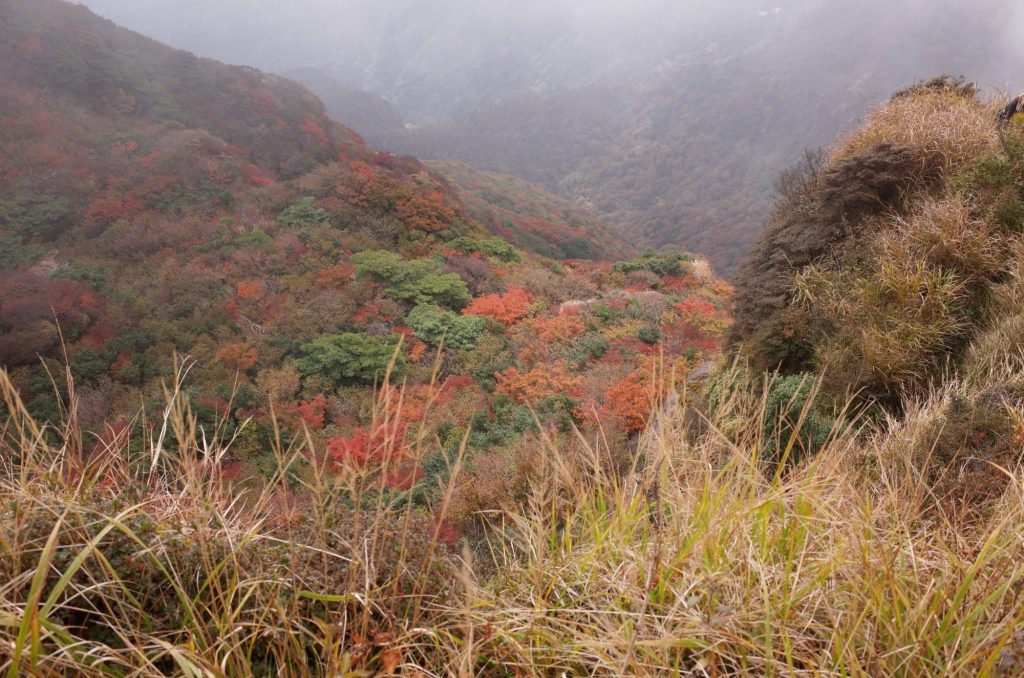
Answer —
671 119
480 51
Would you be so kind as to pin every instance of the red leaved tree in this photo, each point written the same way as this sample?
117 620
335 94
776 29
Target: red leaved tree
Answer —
544 381
508 308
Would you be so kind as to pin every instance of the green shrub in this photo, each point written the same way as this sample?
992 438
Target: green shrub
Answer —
667 263
303 213
419 281
592 346
490 247
649 334
606 314
786 402
14 251
350 357
91 275
434 324
35 216
258 239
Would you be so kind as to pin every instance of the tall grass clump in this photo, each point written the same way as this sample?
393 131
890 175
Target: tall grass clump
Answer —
888 260
701 563
139 556
943 118
703 557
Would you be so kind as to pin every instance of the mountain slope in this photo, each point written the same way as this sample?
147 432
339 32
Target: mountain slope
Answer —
668 119
530 217
759 524
156 206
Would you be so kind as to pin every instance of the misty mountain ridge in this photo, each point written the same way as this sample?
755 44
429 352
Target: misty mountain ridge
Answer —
454 58
669 119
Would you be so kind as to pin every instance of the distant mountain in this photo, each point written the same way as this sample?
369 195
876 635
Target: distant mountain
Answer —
670 119
688 153
530 217
367 113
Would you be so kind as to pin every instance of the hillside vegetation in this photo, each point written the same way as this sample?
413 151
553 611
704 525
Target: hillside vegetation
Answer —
155 205
892 269
530 217
277 404
669 119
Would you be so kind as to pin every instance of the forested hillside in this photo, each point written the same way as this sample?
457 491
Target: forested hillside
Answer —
530 217
669 119
156 207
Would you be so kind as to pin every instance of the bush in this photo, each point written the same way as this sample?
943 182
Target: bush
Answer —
787 401
350 357
499 248
649 334
666 263
303 213
14 252
593 346
419 281
35 216
433 325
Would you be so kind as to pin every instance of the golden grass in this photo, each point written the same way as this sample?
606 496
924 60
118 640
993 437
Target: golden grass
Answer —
951 129
695 562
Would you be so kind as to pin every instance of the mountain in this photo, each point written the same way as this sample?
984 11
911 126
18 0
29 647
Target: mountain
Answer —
530 217
802 506
687 153
277 403
668 119
156 208
370 114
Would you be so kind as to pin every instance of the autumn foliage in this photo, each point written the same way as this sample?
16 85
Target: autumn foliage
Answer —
559 328
237 356
543 381
189 211
631 401
507 308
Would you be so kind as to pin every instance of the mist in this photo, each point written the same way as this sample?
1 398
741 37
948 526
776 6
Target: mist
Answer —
671 118
438 59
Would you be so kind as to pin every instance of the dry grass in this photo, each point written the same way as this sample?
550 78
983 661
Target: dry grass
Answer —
893 313
950 128
695 562
887 329
947 233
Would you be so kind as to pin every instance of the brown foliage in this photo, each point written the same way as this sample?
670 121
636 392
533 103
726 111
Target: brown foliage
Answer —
543 381
946 122
821 211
